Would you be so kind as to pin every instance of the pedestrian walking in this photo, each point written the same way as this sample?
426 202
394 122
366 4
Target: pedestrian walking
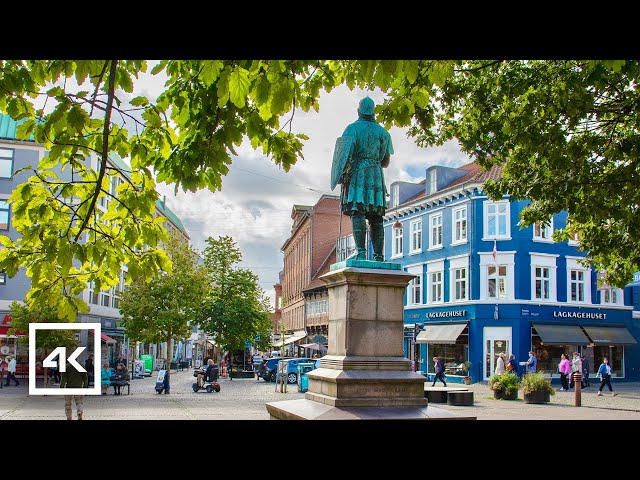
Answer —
532 363
105 378
72 378
11 372
88 365
576 366
585 371
565 368
604 372
500 368
439 368
512 365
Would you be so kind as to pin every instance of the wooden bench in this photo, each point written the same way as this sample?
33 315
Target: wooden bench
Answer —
460 398
440 394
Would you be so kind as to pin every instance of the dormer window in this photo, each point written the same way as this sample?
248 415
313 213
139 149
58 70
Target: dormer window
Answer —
395 195
433 181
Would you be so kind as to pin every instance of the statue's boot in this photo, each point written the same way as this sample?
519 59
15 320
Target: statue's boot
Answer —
359 225
377 238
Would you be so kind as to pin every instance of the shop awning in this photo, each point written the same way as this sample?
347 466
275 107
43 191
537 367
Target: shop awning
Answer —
297 336
313 346
610 335
561 334
441 333
105 338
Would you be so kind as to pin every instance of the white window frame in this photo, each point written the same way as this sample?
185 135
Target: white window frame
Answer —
433 181
91 293
395 195
619 293
415 235
507 215
432 218
456 264
8 155
502 258
544 260
573 264
434 269
574 241
8 210
543 228
412 287
397 239
455 221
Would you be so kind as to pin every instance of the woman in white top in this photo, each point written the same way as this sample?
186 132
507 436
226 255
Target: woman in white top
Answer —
500 365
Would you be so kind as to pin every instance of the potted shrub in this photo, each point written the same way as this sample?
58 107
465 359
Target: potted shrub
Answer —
505 386
467 370
536 388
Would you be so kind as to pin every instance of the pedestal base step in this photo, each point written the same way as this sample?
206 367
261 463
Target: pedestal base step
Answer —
304 409
366 401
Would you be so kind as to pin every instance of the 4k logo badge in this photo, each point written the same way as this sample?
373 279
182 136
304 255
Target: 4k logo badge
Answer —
60 353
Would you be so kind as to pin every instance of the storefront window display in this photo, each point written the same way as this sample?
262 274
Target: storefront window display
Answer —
452 355
549 356
615 354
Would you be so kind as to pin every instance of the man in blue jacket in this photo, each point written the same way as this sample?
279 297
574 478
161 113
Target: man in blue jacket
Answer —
532 363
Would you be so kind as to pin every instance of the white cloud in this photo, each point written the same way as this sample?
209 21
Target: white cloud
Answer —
255 210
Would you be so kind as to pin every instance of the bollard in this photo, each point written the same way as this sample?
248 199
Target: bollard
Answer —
577 380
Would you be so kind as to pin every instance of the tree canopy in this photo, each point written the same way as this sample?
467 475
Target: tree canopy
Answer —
165 307
565 132
235 309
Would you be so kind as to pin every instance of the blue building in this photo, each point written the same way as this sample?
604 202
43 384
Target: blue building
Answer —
484 286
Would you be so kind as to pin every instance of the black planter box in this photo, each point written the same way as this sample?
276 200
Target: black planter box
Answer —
539 396
500 394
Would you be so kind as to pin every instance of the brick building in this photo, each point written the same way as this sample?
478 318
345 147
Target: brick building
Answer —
308 253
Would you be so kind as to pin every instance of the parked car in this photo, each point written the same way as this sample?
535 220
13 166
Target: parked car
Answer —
292 368
267 371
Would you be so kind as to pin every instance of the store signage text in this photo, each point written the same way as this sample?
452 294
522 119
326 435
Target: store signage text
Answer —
599 316
451 313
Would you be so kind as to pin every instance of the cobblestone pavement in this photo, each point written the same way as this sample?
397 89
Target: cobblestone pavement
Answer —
238 399
244 399
625 405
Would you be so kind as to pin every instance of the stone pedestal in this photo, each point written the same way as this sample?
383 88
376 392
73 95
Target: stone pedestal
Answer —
364 374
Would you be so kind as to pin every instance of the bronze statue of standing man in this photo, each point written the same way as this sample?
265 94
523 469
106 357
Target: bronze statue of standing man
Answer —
359 157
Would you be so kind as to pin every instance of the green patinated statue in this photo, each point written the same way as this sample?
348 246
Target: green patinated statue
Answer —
359 157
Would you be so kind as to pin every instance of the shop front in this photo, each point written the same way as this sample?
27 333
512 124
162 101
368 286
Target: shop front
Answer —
480 332
594 333
440 333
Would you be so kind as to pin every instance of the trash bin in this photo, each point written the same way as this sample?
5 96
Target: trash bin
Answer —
303 381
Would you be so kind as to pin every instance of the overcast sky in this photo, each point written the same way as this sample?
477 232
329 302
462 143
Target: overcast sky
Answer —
254 205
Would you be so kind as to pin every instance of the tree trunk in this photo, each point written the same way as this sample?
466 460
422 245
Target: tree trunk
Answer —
168 360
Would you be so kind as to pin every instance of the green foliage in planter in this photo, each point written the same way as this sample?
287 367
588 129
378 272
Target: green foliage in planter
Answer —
533 382
504 381
467 367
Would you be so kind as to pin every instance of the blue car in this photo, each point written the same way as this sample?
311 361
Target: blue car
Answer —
267 371
292 368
